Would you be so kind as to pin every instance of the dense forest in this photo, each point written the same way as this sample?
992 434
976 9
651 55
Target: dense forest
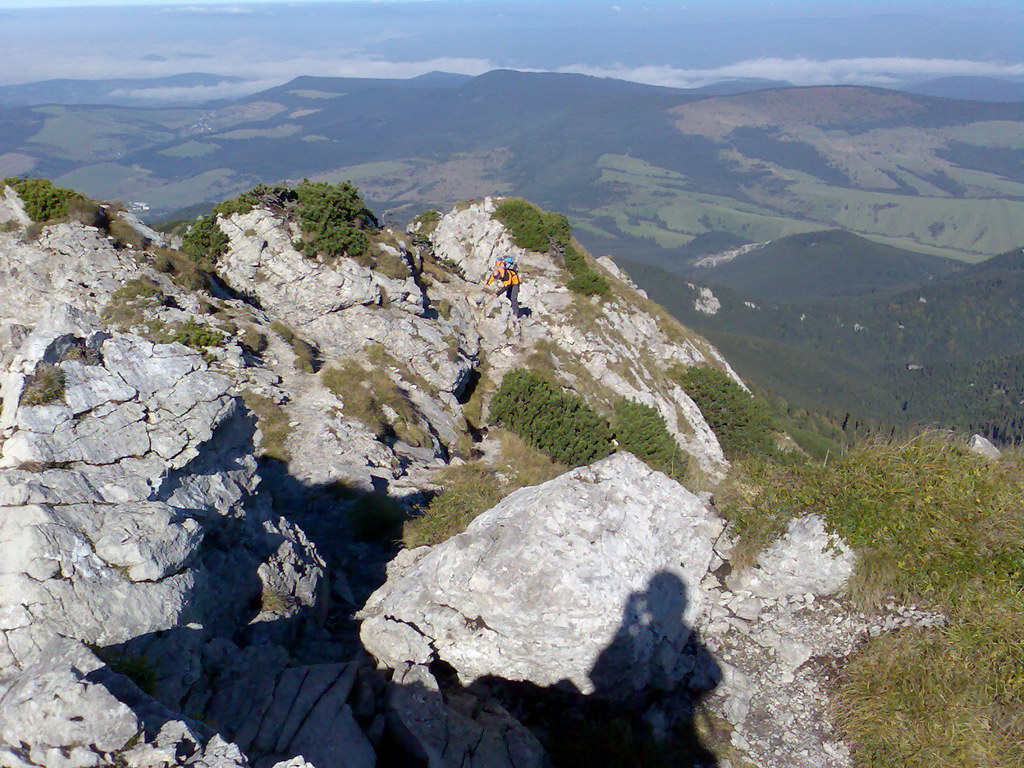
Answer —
948 354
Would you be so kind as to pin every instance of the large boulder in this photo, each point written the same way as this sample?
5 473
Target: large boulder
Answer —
591 578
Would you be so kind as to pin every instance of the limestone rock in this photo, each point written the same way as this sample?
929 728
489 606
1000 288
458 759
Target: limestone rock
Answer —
442 734
984 447
592 577
806 560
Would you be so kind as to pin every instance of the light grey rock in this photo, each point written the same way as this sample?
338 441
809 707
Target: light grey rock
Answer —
439 733
593 577
275 713
147 233
984 447
12 209
806 560
53 707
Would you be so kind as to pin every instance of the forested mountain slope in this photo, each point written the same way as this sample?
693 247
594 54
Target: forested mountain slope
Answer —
947 353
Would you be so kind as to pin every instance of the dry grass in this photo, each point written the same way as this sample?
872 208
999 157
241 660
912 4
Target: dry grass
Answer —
371 397
469 489
44 387
305 353
523 465
944 698
474 487
128 304
273 423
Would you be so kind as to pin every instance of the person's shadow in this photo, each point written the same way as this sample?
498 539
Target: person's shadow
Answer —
648 685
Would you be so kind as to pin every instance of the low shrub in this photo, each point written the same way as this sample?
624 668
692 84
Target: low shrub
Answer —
741 422
641 430
333 218
44 201
196 335
584 280
550 419
530 227
44 387
205 242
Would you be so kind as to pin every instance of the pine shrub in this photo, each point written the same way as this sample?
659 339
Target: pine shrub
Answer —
741 422
532 228
584 280
333 218
43 200
641 430
204 242
550 419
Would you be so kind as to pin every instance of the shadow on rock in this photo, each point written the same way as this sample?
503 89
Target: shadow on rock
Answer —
651 722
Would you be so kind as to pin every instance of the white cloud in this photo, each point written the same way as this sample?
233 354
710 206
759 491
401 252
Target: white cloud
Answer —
803 71
226 10
251 60
196 93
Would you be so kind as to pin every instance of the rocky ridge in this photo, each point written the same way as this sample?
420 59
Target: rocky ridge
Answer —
178 573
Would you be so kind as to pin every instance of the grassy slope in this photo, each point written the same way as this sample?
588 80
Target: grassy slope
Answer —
937 525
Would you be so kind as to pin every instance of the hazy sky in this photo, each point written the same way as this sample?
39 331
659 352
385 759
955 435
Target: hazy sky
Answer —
683 44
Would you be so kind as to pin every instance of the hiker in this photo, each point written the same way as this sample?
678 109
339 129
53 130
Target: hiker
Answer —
505 276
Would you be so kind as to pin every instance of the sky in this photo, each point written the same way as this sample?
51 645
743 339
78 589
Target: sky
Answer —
683 44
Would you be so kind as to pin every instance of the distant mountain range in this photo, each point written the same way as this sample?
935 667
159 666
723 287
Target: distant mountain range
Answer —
643 171
974 88
148 92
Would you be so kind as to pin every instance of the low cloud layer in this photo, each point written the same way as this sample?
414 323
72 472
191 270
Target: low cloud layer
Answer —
803 71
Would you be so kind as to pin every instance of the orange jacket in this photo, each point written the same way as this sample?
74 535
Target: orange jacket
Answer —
503 275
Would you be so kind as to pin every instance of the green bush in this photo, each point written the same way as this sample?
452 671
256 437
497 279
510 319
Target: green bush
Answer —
532 228
741 422
543 231
43 200
205 242
641 430
333 218
584 280
196 335
558 423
